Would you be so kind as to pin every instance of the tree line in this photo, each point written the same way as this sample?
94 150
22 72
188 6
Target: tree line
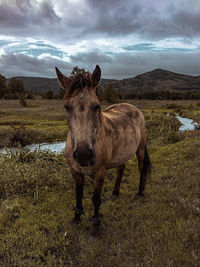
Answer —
161 94
15 90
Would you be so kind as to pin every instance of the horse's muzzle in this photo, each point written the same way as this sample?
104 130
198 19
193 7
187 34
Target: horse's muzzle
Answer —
84 155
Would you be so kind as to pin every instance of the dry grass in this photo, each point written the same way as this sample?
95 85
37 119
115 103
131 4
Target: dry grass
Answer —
161 229
42 120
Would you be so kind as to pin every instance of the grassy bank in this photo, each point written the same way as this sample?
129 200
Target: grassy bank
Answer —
161 229
41 121
45 120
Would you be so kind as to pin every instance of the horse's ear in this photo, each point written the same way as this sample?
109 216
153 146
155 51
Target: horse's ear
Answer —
63 80
96 76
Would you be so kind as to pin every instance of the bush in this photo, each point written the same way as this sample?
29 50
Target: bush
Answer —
174 137
48 94
109 94
22 100
29 96
20 136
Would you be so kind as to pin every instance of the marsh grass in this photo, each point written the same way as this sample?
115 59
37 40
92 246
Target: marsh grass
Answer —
161 229
41 121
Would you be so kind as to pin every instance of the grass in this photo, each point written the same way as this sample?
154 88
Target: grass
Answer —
43 121
161 229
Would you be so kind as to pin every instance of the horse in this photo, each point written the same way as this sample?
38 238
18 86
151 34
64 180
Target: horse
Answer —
98 140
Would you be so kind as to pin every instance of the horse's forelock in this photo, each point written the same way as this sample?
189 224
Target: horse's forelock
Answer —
80 81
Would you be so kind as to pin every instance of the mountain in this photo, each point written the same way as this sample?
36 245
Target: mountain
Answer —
159 79
40 84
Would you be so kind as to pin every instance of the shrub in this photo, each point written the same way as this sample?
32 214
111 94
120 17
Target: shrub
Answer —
174 137
19 136
110 95
48 94
22 100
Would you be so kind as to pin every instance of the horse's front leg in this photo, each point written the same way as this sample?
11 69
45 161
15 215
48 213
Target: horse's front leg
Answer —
79 181
96 198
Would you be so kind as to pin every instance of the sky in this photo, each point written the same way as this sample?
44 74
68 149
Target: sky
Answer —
124 37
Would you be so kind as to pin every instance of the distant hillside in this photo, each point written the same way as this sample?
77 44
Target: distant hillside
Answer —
40 85
159 79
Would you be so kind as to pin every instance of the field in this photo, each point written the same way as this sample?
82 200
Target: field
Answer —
37 195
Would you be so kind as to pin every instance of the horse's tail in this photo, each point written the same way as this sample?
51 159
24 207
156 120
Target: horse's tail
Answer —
147 166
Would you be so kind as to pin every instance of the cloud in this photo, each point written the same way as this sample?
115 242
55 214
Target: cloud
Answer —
66 20
26 18
155 21
117 66
24 65
140 47
125 37
91 57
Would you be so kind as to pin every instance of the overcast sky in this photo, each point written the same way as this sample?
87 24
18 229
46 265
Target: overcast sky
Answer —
124 37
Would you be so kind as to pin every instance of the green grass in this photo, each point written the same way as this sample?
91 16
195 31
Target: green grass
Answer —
161 229
44 121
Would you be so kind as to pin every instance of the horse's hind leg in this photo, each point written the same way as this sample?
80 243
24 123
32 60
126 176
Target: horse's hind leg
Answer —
116 188
144 165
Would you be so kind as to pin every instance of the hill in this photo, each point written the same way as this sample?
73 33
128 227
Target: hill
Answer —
40 84
159 79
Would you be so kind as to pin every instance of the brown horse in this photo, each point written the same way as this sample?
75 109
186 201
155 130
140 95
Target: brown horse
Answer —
99 140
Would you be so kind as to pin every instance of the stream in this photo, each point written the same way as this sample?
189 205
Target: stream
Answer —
187 124
58 147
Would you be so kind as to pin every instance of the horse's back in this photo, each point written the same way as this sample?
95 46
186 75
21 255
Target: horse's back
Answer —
124 124
124 111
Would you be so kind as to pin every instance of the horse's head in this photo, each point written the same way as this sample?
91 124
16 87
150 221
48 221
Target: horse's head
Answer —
83 112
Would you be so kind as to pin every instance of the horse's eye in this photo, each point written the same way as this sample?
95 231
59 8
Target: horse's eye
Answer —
67 107
96 107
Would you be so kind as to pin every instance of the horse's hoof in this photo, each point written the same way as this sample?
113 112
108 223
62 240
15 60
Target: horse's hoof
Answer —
114 196
78 211
139 195
96 220
75 221
95 232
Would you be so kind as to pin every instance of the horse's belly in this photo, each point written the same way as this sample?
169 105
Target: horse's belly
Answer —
123 155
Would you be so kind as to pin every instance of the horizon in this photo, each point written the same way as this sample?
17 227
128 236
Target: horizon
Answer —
42 77
125 39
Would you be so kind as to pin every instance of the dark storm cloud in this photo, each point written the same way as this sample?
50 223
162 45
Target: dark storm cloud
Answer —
116 17
92 18
149 21
188 21
26 18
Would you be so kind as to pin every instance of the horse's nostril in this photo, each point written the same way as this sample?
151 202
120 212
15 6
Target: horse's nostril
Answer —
91 153
75 155
83 156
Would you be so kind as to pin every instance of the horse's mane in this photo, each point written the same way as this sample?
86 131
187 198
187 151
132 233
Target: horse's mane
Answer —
80 81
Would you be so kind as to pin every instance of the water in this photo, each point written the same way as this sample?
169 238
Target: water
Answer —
58 147
187 124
